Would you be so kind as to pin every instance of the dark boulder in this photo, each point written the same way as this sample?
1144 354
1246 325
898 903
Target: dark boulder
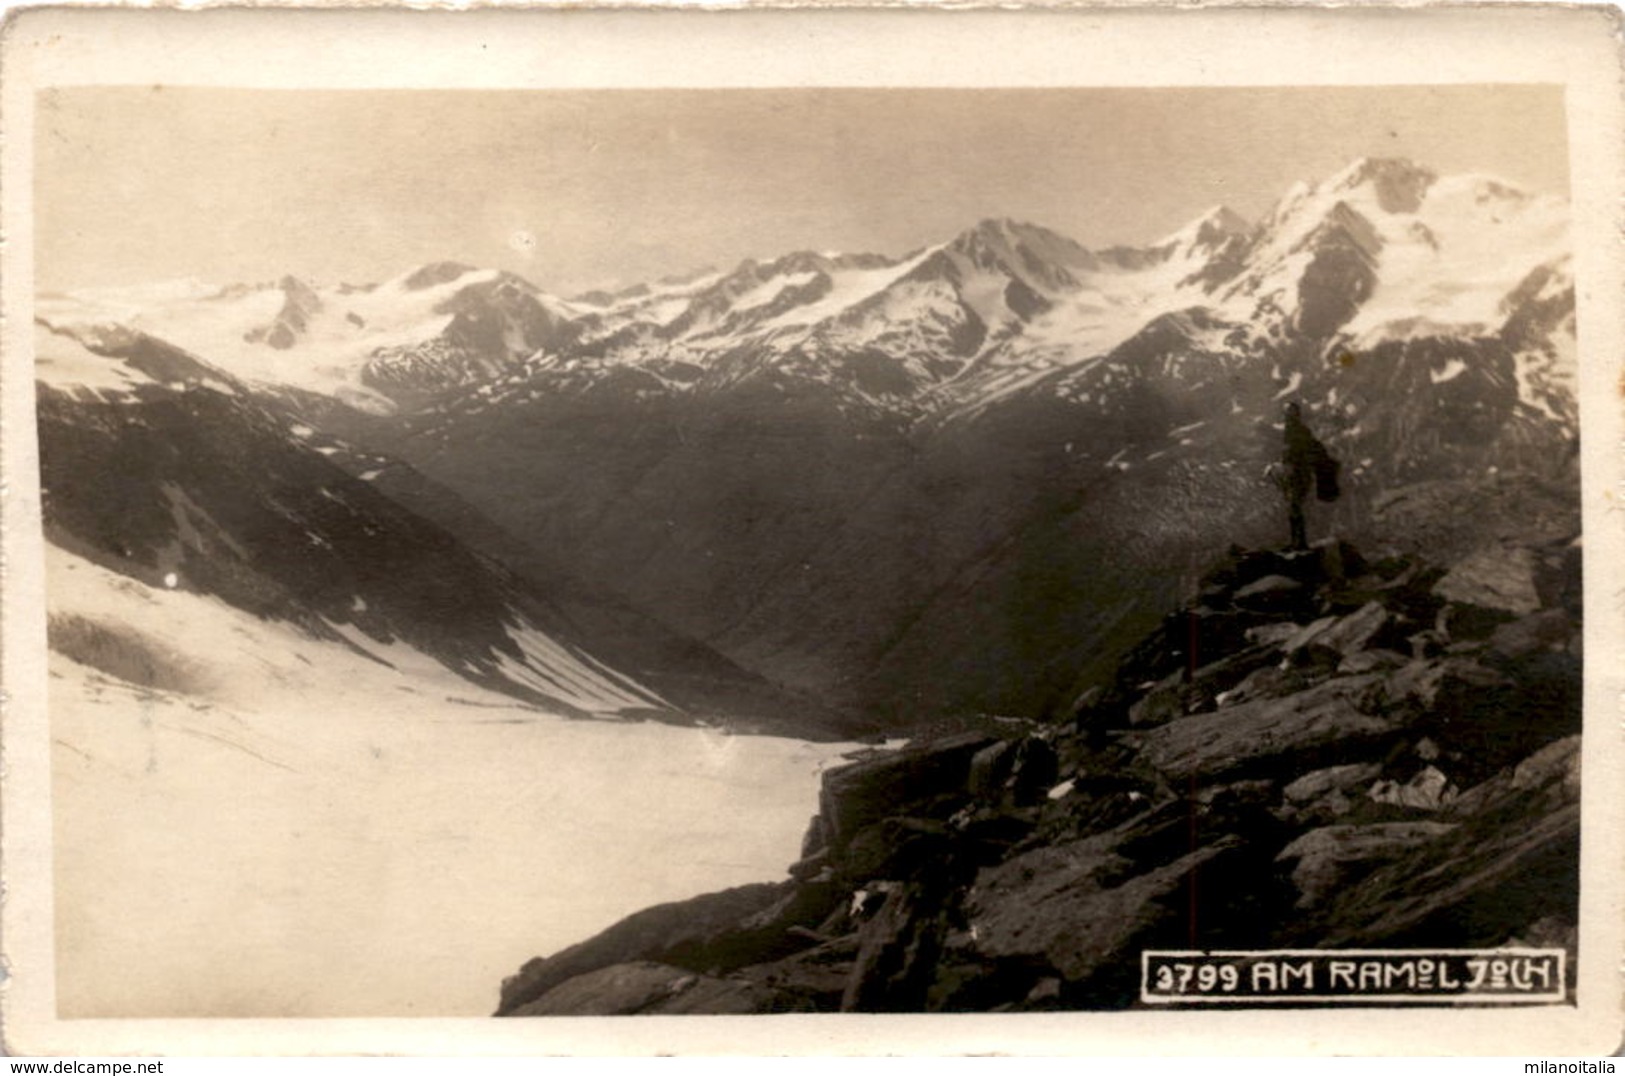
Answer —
1357 631
897 954
816 977
698 934
1327 793
1273 594
647 988
1309 728
1324 859
895 847
1081 908
861 793
1498 577
1547 630
1190 692
1484 719
1379 659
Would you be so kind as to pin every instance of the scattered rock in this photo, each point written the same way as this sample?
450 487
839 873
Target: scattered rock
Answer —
1077 907
1549 629
1300 641
1033 770
1471 888
617 990
1086 702
897 953
860 793
695 934
1272 681
1427 644
1557 762
1269 748
1465 624
1335 714
1498 577
814 839
1325 856
1258 791
897 847
1166 700
1273 634
1429 790
1355 632
810 866
1511 861
1446 686
1046 994
815 977
1186 692
648 988
1013 772
1271 593
1365 661
1326 790
1551 775
987 769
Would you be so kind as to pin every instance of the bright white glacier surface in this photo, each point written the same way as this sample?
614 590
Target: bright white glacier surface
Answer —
294 829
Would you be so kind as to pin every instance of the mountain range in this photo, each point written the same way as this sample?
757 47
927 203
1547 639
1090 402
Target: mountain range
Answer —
824 484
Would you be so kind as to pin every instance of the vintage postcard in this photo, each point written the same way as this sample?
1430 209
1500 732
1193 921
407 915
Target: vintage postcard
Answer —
821 530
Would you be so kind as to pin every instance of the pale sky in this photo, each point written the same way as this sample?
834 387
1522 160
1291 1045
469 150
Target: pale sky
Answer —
581 189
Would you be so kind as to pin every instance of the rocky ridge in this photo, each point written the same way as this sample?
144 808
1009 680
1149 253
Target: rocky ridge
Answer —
1316 750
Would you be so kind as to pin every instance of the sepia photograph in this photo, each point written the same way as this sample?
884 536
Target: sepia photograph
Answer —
563 545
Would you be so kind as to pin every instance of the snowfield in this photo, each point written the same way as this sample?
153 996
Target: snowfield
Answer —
252 822
331 351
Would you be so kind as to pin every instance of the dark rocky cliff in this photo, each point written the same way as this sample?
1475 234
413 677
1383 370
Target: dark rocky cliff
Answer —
1317 750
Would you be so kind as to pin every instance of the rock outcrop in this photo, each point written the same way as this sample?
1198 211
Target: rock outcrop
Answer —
1317 750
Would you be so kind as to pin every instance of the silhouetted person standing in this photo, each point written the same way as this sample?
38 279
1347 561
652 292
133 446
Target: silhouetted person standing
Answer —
1305 465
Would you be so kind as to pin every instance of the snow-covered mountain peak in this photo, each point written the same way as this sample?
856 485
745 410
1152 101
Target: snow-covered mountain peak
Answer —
427 276
1397 184
300 305
1020 246
1205 253
1008 271
1387 241
1211 229
1002 231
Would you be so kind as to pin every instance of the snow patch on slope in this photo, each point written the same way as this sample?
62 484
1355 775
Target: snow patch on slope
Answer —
850 287
559 673
63 363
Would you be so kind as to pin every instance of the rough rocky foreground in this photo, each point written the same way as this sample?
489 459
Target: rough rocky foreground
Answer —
1317 751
